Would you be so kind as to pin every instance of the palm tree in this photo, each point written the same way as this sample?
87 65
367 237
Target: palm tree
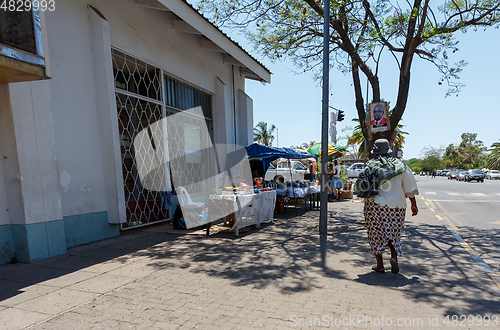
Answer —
262 135
493 159
306 146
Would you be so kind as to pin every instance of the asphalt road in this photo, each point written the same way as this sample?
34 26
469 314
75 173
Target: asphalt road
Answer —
473 207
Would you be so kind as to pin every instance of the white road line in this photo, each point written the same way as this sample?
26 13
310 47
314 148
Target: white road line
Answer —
467 200
454 194
430 193
497 194
478 194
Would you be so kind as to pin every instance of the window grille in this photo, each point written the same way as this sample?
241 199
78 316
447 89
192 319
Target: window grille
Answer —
139 97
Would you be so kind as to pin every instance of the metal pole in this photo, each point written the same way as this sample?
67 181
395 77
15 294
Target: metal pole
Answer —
324 121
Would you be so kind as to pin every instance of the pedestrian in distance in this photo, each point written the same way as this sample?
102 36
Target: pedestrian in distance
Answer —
385 184
312 171
336 184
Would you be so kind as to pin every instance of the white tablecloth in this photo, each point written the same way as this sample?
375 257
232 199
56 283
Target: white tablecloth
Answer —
298 192
252 209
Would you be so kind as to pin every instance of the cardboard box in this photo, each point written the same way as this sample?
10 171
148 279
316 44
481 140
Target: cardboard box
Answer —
300 201
349 194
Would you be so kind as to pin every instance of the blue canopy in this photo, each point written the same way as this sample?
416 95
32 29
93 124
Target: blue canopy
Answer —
268 154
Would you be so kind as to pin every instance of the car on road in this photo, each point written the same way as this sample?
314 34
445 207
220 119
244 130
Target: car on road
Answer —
475 175
355 170
452 175
461 175
493 175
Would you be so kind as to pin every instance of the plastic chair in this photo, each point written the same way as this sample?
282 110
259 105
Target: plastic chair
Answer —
186 201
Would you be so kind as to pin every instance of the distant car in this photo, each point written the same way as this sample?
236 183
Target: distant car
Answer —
461 175
452 175
493 175
475 175
355 170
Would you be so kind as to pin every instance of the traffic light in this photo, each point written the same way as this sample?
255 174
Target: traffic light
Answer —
340 115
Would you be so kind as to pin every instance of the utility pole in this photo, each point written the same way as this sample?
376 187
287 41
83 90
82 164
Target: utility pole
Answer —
324 121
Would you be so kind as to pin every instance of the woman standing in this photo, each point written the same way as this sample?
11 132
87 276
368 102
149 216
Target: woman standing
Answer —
336 183
385 184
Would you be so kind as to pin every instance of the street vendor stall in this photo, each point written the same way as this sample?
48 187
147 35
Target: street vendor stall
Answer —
248 203
249 208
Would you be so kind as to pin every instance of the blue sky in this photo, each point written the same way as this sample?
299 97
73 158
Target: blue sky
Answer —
293 102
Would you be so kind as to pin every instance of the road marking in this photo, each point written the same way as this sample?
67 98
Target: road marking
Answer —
467 200
495 223
489 271
454 194
497 194
430 193
478 194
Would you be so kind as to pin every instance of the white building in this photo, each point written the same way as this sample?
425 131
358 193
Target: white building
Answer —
108 69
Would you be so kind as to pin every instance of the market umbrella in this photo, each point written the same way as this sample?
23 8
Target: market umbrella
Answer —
334 150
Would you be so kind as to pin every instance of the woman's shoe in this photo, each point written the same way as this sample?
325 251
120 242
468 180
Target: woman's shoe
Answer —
377 269
394 266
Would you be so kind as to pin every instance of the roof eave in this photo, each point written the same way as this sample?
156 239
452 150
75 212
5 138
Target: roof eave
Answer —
249 66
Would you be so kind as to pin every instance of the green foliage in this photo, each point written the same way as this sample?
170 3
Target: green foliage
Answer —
363 32
432 159
493 159
263 135
470 153
415 164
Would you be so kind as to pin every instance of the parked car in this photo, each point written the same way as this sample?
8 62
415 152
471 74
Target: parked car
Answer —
452 175
283 171
355 170
461 175
476 175
493 175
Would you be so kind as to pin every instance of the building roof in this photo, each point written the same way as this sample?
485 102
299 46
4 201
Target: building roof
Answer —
187 19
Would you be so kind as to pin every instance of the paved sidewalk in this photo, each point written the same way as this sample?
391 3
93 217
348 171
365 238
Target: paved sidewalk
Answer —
279 276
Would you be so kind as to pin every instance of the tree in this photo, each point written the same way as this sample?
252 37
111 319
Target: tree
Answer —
306 146
493 159
415 164
362 32
432 159
263 135
468 154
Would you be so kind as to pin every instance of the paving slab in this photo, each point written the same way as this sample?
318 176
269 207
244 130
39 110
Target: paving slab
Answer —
102 283
281 275
57 301
26 293
14 319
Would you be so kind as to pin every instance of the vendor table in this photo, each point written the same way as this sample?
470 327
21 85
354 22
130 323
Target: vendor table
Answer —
253 208
301 192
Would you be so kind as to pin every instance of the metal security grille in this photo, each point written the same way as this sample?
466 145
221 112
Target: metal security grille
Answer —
187 131
139 105
144 96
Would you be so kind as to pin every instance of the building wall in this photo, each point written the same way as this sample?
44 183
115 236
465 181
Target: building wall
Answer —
59 183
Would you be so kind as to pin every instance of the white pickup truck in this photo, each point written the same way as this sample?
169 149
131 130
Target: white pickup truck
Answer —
282 172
